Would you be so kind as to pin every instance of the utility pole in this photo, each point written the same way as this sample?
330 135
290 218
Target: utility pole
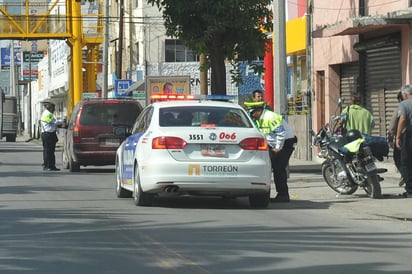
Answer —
279 70
120 48
309 62
12 70
106 49
28 126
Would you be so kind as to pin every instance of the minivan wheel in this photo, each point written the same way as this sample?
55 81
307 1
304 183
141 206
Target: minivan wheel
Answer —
74 167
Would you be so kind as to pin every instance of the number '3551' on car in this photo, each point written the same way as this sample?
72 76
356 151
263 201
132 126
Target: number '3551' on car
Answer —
193 148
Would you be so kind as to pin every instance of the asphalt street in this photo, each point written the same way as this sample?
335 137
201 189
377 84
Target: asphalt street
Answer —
308 189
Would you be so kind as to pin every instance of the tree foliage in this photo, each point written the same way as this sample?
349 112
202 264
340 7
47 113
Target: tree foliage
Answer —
221 29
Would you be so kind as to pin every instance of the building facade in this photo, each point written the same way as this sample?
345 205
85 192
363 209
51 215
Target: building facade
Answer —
148 51
360 48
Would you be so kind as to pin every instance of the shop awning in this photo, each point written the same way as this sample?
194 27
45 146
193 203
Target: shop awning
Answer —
360 25
296 36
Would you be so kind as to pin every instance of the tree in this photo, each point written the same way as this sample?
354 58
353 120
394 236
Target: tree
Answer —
221 30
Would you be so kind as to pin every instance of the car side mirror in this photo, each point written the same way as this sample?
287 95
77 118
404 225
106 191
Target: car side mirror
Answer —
340 102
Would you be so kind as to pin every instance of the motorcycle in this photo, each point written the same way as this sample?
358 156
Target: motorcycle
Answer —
343 170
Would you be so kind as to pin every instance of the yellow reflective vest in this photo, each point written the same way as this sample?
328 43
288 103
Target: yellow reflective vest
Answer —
275 128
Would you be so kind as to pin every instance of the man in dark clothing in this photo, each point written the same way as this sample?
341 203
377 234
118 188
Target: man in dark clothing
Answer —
393 125
404 138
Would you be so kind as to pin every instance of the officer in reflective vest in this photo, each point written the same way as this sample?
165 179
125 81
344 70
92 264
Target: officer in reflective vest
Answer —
49 136
281 140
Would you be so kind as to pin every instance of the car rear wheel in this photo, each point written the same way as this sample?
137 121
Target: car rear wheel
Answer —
260 200
120 191
139 197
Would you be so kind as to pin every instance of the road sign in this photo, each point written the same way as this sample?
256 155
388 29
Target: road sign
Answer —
121 87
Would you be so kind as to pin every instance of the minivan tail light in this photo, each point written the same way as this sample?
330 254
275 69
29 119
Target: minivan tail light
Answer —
254 144
76 135
168 142
111 102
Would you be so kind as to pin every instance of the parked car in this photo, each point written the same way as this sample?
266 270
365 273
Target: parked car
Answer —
90 139
197 148
9 119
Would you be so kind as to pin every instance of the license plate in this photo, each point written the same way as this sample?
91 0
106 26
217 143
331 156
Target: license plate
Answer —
213 150
111 142
370 167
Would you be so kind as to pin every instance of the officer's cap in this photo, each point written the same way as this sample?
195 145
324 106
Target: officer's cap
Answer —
252 106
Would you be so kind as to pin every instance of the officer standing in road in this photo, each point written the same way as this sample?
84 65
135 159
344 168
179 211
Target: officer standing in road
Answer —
49 136
281 140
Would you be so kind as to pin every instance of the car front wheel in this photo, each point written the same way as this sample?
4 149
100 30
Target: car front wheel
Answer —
120 191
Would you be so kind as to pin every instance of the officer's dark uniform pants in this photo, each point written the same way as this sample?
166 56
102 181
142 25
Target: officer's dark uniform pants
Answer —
49 140
280 162
397 157
406 160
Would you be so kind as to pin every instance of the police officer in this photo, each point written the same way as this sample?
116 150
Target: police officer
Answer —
281 140
49 136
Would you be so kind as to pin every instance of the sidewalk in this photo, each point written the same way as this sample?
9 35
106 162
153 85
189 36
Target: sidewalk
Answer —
308 189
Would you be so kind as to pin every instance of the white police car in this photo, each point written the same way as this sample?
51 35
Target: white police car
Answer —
196 147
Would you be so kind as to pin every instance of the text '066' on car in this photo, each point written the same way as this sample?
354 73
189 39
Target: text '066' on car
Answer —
194 147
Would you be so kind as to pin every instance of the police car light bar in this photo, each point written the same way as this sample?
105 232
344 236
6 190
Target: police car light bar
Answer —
166 97
171 97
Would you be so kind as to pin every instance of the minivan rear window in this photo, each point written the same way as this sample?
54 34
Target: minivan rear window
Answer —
109 114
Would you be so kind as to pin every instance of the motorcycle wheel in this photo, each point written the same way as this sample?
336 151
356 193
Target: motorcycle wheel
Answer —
345 188
372 186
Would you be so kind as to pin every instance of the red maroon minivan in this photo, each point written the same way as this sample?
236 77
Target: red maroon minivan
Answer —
89 139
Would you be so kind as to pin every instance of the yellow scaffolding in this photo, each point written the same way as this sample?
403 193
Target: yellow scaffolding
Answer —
59 19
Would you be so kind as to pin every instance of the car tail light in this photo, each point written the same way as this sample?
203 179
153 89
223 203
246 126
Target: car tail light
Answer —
167 142
254 144
76 135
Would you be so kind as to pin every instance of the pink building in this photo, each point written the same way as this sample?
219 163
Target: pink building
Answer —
359 47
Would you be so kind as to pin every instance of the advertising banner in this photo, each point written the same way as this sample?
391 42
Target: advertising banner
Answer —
167 85
30 65
5 58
